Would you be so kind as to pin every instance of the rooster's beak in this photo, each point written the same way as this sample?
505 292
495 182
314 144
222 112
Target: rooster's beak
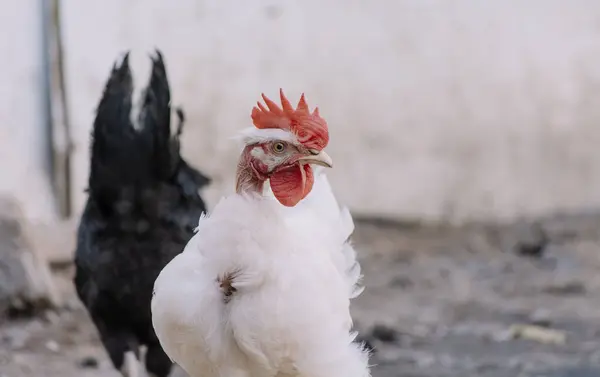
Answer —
317 158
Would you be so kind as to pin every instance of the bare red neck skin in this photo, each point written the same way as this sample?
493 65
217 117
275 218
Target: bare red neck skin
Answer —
290 184
250 177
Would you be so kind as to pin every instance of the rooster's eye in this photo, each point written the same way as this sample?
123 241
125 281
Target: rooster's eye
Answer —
278 147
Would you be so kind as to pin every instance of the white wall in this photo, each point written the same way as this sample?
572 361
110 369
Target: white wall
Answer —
437 109
24 143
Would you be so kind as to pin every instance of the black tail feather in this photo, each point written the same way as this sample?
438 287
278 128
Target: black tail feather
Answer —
115 152
181 117
155 117
125 159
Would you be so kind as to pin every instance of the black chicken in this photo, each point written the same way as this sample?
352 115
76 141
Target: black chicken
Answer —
142 208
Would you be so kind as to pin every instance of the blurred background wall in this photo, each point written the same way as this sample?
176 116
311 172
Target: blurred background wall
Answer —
438 110
24 127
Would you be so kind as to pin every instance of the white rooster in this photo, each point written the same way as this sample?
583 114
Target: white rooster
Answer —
263 288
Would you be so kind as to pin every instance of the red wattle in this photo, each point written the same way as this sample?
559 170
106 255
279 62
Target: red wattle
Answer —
310 180
292 185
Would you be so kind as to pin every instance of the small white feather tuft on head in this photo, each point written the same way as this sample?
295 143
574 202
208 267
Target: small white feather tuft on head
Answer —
252 135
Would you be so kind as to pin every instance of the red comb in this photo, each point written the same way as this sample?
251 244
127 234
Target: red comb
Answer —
310 129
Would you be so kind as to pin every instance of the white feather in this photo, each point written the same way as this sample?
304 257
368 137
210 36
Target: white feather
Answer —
295 275
253 135
320 212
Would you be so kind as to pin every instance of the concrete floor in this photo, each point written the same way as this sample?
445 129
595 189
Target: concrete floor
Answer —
440 302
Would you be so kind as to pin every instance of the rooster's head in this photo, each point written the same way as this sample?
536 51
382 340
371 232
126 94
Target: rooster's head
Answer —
281 147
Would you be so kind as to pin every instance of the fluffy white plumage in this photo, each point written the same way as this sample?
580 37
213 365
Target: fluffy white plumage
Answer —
294 274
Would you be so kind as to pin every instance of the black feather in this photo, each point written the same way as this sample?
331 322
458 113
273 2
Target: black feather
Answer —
143 204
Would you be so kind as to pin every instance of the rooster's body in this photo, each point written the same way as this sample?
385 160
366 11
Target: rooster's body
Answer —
263 289
142 207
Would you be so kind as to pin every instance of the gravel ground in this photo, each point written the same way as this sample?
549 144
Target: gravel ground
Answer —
489 301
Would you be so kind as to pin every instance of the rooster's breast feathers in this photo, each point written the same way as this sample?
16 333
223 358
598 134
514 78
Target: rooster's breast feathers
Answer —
292 272
320 214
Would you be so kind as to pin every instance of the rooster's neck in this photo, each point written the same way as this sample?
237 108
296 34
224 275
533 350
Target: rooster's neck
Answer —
248 179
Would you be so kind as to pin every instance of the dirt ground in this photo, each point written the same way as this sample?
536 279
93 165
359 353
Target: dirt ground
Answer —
489 301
